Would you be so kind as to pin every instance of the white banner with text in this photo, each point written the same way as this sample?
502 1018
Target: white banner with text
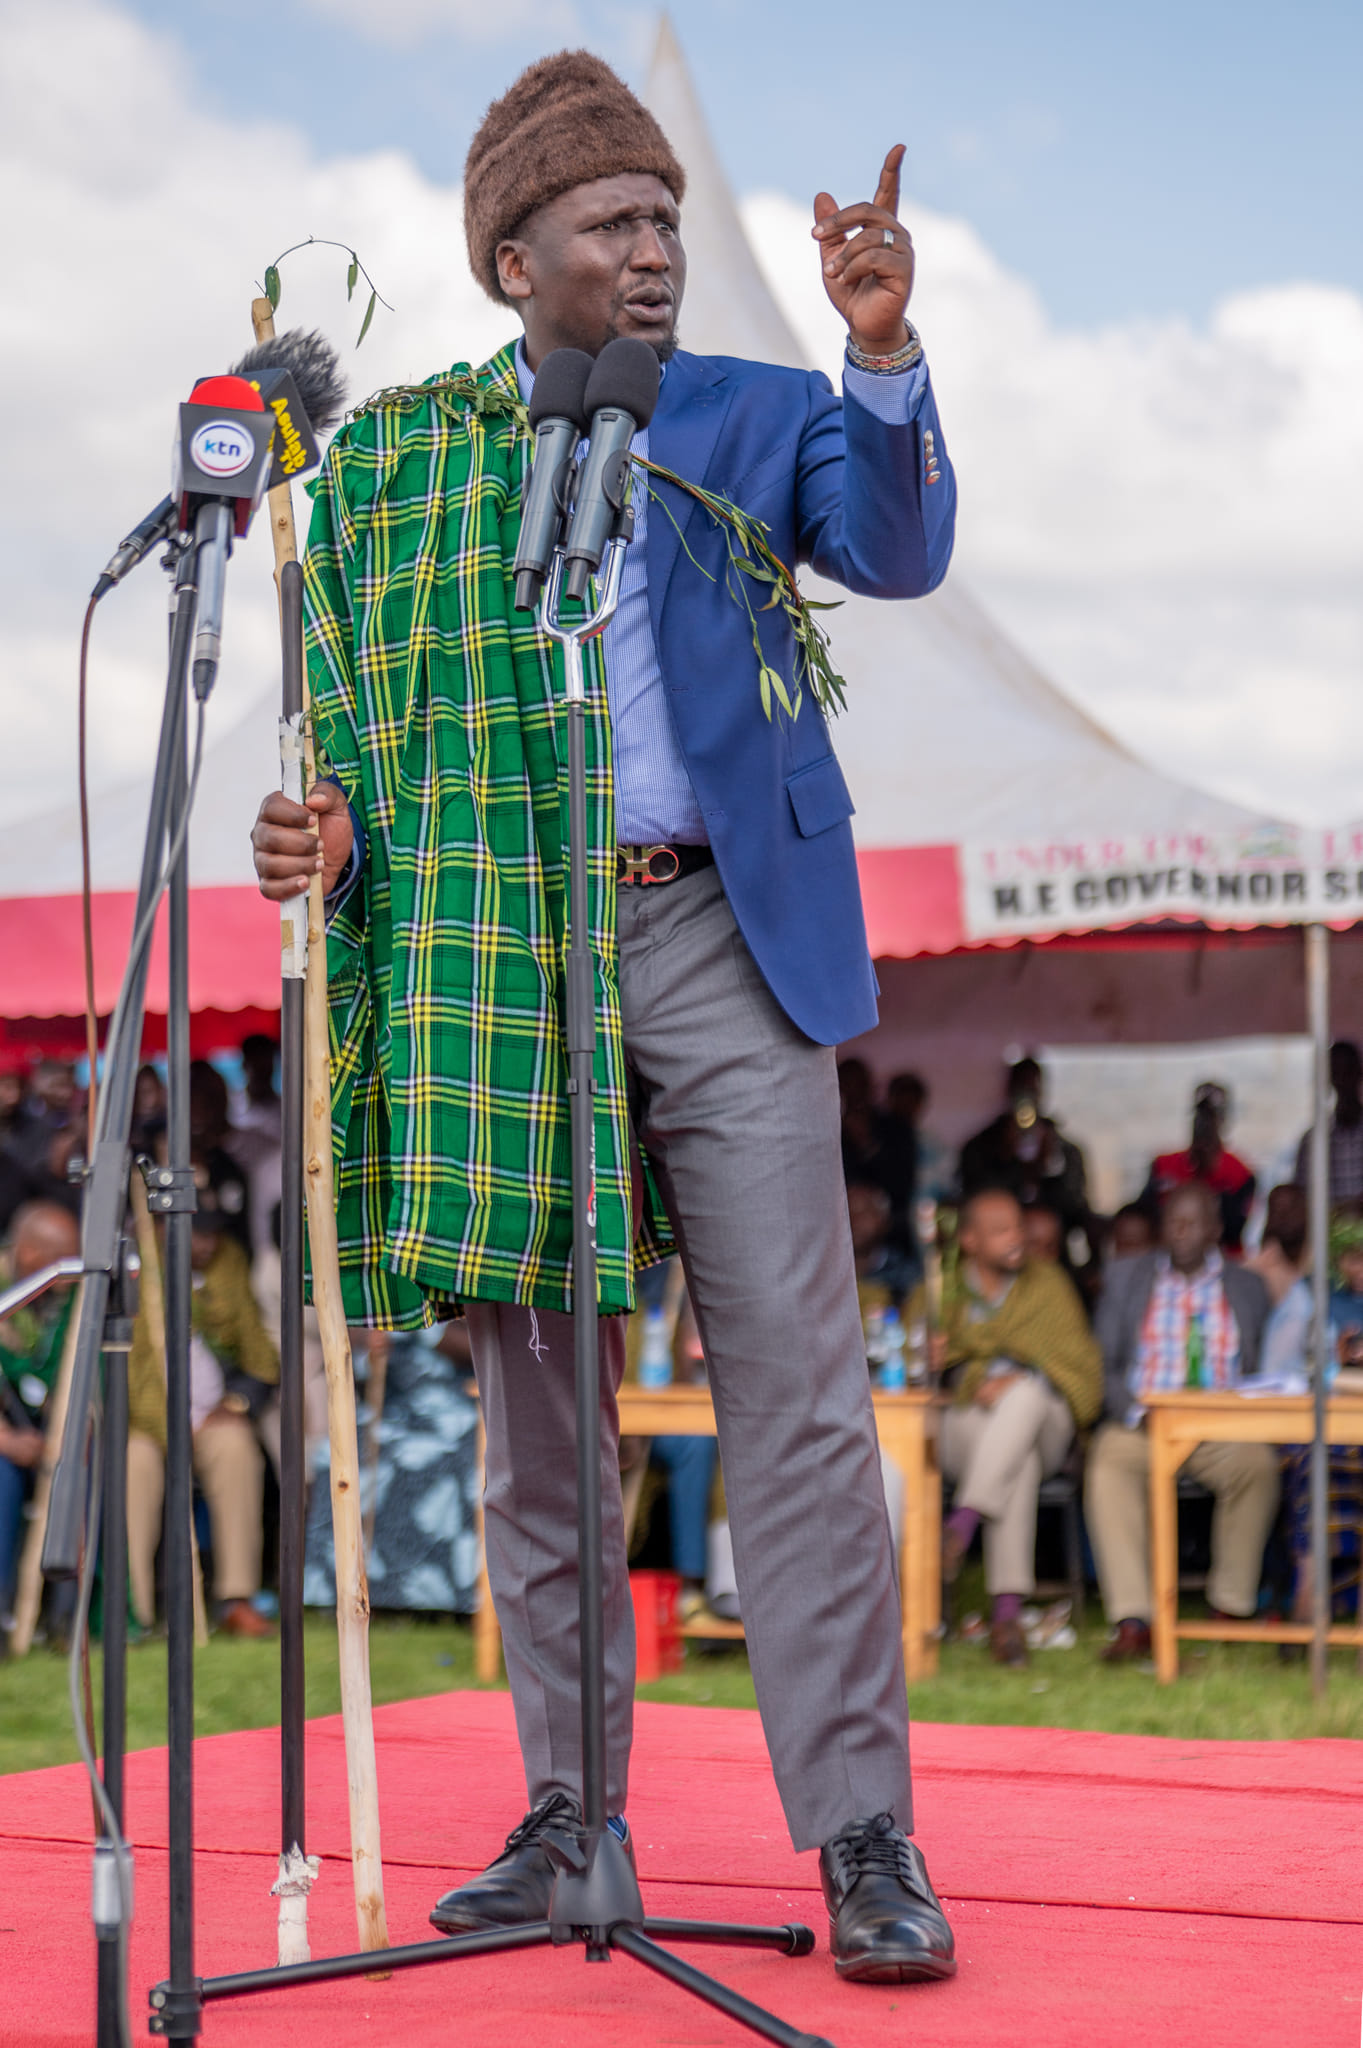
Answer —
1264 874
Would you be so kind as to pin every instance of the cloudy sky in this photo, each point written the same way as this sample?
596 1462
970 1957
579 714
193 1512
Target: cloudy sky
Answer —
1141 289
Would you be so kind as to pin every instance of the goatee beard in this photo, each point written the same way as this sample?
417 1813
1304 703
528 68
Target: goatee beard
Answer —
664 346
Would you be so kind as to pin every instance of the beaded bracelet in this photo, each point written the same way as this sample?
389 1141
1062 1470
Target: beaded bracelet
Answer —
906 358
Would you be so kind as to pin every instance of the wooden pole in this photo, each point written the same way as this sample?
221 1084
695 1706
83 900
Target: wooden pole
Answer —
487 1634
28 1597
148 1253
376 1388
283 533
352 1585
1317 943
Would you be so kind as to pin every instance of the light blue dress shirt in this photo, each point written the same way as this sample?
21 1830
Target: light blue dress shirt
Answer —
655 803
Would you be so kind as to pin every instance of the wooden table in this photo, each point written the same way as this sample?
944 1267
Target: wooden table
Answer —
1176 1423
907 1425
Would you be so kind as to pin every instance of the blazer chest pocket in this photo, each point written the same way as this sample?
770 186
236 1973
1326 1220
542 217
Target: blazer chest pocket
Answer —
818 796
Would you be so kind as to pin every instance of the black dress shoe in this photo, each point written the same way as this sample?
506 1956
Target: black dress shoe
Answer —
514 1890
885 1921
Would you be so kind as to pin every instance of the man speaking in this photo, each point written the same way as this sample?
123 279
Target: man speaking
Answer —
729 943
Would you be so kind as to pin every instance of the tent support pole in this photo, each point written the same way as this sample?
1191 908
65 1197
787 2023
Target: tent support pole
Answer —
1318 1015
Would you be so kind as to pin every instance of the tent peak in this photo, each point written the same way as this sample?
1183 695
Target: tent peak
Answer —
729 309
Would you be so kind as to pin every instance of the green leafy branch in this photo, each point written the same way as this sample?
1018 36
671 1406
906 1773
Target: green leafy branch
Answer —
354 273
752 557
488 401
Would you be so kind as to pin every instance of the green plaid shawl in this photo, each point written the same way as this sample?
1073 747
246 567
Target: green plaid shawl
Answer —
436 705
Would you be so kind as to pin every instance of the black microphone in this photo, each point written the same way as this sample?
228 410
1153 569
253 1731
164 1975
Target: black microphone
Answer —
621 394
222 460
156 527
558 420
296 377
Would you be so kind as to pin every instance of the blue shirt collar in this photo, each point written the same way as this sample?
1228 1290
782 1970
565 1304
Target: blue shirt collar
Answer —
525 376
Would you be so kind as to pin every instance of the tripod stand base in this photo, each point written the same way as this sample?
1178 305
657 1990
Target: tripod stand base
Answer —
596 1888
639 1940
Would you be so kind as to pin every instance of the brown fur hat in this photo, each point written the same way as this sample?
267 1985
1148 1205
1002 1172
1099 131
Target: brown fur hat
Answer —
566 121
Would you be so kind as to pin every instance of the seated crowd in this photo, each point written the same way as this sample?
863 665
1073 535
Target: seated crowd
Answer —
985 1270
421 1450
1050 1327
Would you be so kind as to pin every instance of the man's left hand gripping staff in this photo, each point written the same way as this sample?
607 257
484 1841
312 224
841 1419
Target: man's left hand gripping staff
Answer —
293 842
868 262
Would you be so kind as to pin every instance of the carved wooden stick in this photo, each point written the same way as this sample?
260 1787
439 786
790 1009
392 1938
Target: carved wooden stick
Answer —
352 1584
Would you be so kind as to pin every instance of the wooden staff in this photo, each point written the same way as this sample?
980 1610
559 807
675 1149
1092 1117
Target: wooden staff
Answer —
154 1303
29 1593
28 1597
352 1586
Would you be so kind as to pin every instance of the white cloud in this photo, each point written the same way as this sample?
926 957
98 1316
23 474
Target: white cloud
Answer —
1170 518
406 22
133 226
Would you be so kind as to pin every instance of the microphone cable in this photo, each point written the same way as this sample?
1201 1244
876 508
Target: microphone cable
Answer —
86 890
142 932
113 1834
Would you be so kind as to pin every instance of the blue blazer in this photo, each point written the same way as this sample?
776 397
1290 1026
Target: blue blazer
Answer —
850 496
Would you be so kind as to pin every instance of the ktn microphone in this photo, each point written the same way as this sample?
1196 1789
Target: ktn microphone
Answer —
222 459
621 394
558 420
296 379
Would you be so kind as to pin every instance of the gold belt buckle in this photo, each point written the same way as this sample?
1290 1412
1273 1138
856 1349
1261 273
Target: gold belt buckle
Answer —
637 864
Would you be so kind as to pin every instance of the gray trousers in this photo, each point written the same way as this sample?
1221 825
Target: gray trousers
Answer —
738 1111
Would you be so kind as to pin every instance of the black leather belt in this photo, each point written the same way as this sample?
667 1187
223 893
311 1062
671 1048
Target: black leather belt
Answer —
649 865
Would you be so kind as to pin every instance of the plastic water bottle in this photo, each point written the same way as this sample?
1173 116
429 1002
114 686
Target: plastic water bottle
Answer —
1197 1354
894 1372
873 1325
655 1360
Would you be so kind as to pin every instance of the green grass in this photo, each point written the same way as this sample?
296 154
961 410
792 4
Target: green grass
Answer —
1227 1690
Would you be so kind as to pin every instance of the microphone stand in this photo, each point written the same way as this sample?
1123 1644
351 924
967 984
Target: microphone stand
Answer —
105 1329
293 1476
596 1902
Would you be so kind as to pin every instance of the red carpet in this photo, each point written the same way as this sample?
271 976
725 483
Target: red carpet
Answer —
1104 1890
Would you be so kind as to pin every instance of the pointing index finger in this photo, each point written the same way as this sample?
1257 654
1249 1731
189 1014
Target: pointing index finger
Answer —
887 191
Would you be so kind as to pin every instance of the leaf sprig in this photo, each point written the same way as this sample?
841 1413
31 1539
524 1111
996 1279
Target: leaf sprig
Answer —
751 555
486 400
354 273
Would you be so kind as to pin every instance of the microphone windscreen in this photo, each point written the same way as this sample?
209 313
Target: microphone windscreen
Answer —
313 364
625 376
560 388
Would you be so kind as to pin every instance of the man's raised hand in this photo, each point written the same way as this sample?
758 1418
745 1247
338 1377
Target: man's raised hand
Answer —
867 259
288 852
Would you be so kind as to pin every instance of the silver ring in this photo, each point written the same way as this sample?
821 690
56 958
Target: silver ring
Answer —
887 236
